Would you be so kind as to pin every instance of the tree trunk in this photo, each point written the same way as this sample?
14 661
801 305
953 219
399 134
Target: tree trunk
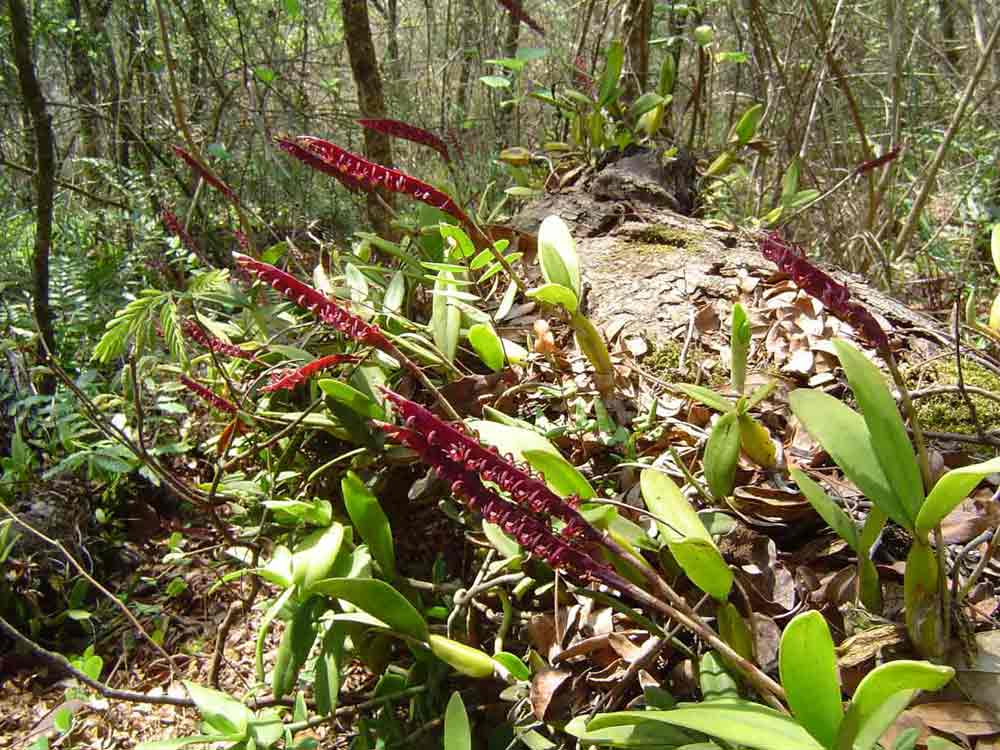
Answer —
637 21
508 127
45 163
467 41
981 28
371 100
84 87
946 19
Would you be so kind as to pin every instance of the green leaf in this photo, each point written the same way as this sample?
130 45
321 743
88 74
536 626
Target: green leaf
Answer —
488 345
264 73
652 735
371 522
843 434
315 555
466 659
378 599
735 630
756 441
564 478
686 536
740 345
883 694
738 722
63 720
721 454
807 662
517 668
612 72
446 317
949 491
326 687
294 647
352 398
706 396
395 293
555 294
511 440
828 510
557 255
644 104
790 181
495 82
889 439
744 130
503 543
714 679
267 729
457 735
222 713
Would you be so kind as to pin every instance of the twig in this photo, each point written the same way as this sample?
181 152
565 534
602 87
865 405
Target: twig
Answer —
61 662
986 536
938 390
220 642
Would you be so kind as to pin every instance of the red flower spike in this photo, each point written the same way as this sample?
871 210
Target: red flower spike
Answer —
206 395
823 287
885 158
196 333
404 130
517 481
527 530
288 379
515 9
373 175
316 302
207 175
310 159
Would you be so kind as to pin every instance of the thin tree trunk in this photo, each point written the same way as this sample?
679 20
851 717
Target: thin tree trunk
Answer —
371 100
637 21
84 87
45 161
949 38
508 123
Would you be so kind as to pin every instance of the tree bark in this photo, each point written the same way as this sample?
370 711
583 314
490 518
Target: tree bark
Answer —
45 169
949 38
637 21
84 87
371 100
508 122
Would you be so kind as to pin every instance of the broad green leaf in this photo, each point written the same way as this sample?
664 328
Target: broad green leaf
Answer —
739 341
686 536
503 543
828 510
511 440
488 345
922 600
746 128
371 522
714 679
612 72
721 163
645 103
223 713
949 491
703 564
496 82
326 688
267 729
352 398
296 643
706 396
513 664
557 255
668 72
564 478
738 722
652 735
735 630
466 659
843 434
315 555
790 181
457 735
555 294
607 518
721 454
807 661
756 441
590 341
395 293
446 317
463 247
883 694
378 599
889 439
